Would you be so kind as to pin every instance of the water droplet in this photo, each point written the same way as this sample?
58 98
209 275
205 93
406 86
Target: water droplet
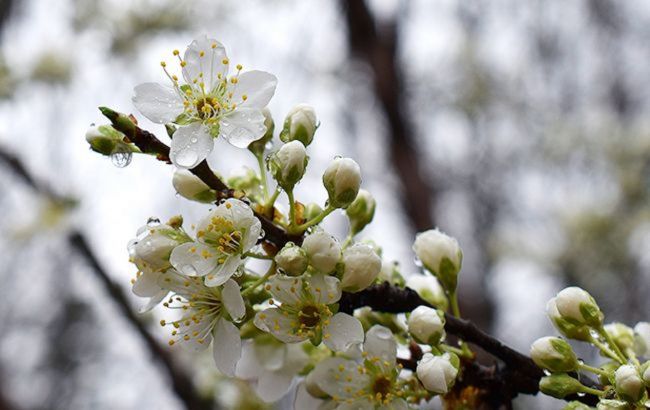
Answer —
121 158
262 234
268 145
151 222
193 140
338 156
240 137
417 262
186 158
130 247
188 270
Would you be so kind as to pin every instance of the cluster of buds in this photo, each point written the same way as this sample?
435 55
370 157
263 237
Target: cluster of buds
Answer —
624 378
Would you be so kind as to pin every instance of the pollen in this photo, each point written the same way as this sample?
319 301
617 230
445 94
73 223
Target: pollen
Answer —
225 61
176 52
201 53
163 64
239 67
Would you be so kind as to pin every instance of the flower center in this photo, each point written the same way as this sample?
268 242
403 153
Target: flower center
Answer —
222 234
207 107
381 387
309 316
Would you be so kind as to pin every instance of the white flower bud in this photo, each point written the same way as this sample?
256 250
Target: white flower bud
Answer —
576 405
151 250
608 404
300 125
645 373
292 259
559 385
361 211
104 139
361 267
342 179
642 339
577 306
441 255
438 373
323 251
429 289
622 335
427 325
629 385
570 330
191 187
288 164
554 354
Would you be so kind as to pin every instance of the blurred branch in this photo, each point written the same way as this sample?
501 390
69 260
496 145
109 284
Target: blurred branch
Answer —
5 403
378 49
181 381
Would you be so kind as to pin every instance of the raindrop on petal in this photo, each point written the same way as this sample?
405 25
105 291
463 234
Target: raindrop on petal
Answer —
186 158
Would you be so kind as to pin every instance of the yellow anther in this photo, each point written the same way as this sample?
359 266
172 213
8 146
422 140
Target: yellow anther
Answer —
163 64
171 342
176 52
225 61
214 45
239 67
163 322
201 53
183 63
244 97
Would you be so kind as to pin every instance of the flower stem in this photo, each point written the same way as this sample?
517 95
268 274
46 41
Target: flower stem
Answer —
292 209
459 352
265 187
315 221
612 344
606 350
592 369
453 298
260 281
347 241
595 392
271 201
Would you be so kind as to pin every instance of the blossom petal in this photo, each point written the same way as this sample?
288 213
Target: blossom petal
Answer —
161 104
190 145
233 300
242 126
211 63
257 86
146 285
381 343
342 332
227 347
153 301
361 404
286 289
330 376
325 289
223 272
193 259
248 367
271 386
273 321
271 355
306 401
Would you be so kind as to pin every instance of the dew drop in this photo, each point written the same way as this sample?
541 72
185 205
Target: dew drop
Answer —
186 158
262 234
121 158
268 145
151 222
194 140
188 270
417 262
240 137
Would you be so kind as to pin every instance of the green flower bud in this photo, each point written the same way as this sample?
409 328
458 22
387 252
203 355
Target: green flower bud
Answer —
342 179
607 404
288 164
441 255
191 187
300 125
292 259
577 306
554 354
247 180
622 335
559 385
576 405
103 139
569 330
427 325
259 146
610 368
361 211
311 211
629 384
645 373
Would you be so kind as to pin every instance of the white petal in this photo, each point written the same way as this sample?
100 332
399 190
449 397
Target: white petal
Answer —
361 404
242 126
257 86
332 380
233 300
153 301
325 289
305 401
159 103
273 321
380 342
223 272
344 331
271 355
193 259
146 285
190 145
286 289
271 386
211 64
248 367
227 347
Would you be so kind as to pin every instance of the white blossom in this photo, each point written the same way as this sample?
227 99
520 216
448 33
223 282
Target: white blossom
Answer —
440 254
554 354
629 384
576 305
361 265
342 179
223 237
208 103
323 251
438 373
642 339
427 325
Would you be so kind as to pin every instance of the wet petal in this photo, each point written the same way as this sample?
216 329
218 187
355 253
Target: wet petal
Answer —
271 386
271 354
193 259
342 332
146 285
285 289
273 321
305 401
325 289
153 301
337 376
191 145
380 342
257 86
223 272
159 103
201 57
248 367
242 126
227 347
233 300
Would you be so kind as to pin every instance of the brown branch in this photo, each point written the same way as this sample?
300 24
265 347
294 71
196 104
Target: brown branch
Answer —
520 374
378 49
181 382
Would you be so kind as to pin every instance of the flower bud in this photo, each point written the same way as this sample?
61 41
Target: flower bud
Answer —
570 330
628 382
292 259
441 255
429 289
245 179
300 125
288 164
438 373
102 139
311 211
361 267
553 354
559 385
642 339
427 325
645 373
191 187
608 404
257 147
323 251
390 273
577 306
622 335
576 405
151 249
361 211
342 179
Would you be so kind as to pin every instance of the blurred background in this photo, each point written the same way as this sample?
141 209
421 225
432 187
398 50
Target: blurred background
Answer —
521 128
